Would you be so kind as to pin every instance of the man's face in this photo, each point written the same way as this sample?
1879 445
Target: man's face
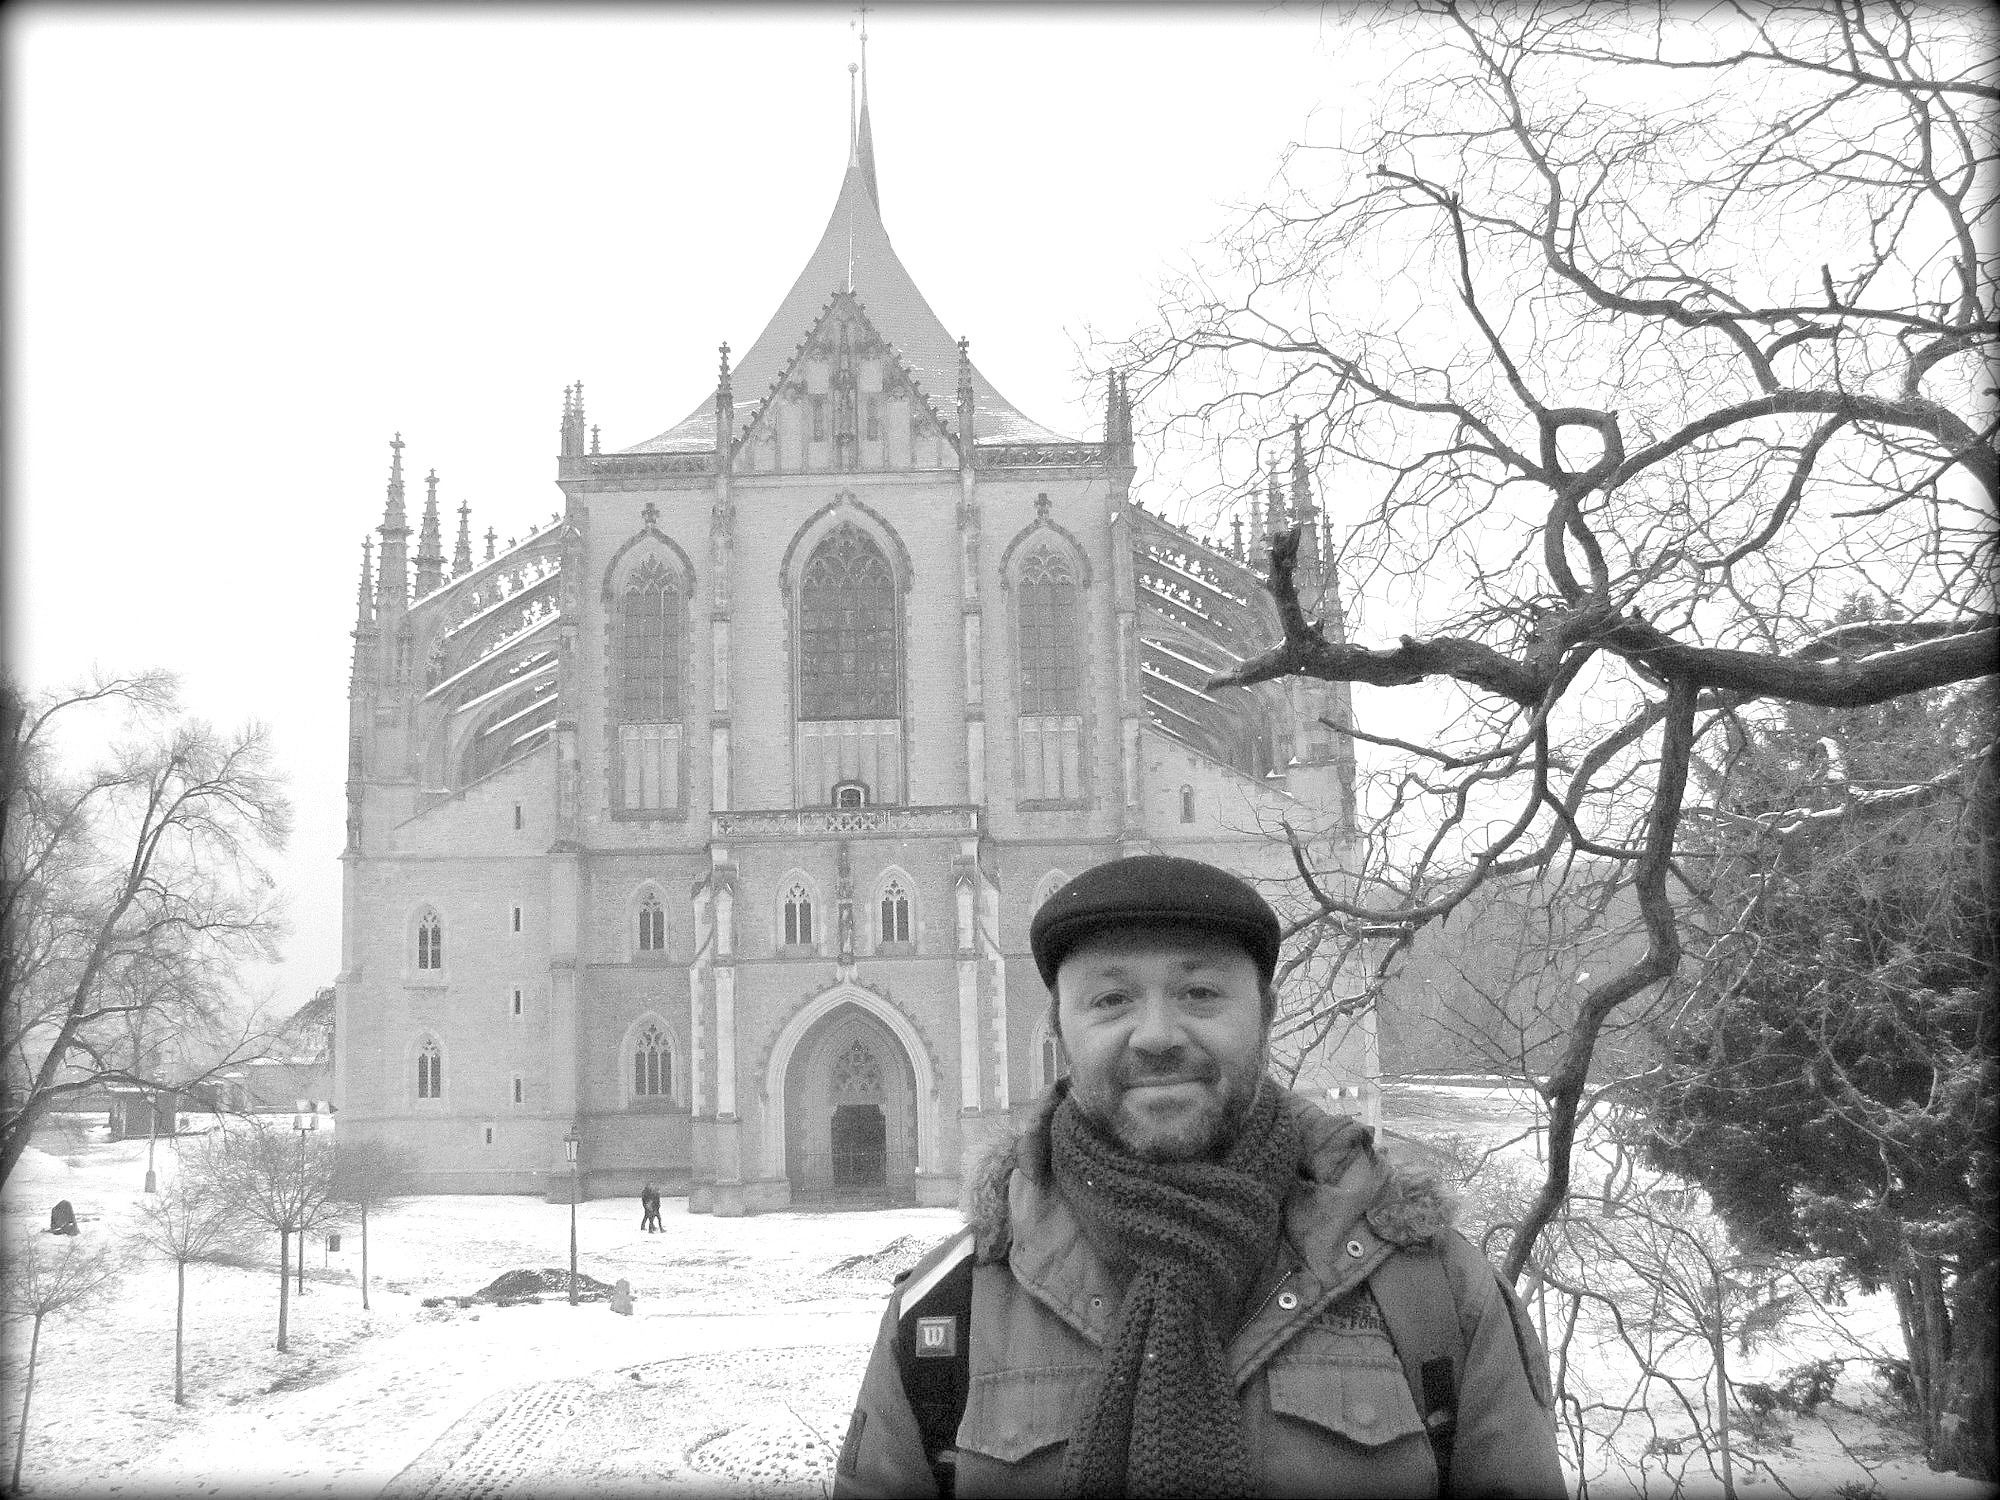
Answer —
1164 1031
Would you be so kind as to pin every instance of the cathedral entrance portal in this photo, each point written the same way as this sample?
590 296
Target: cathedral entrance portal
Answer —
850 1114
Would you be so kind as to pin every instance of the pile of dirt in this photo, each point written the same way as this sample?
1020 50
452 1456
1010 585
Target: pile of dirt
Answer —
513 1288
886 1264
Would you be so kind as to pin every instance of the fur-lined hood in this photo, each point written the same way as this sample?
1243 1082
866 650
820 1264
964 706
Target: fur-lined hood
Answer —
1401 1203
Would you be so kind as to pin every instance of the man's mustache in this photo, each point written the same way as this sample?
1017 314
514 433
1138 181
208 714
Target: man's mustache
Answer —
1176 1067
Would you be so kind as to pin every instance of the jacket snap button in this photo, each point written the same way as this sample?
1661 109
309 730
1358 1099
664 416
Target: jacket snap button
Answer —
1288 1300
1096 1304
1354 1248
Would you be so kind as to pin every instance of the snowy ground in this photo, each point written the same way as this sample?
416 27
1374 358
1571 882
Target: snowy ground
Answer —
735 1370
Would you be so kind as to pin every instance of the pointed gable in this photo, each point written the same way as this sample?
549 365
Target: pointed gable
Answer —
846 401
854 255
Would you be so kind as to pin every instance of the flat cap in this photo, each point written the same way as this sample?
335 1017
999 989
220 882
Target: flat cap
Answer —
1159 888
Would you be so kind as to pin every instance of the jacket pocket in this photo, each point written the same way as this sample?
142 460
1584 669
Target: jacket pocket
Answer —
1366 1404
1011 1414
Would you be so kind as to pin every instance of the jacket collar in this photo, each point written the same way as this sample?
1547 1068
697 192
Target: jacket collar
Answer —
1346 1196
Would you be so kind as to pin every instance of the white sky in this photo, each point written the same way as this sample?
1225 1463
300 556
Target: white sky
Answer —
247 245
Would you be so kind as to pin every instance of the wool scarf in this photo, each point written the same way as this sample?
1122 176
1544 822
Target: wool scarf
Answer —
1164 1419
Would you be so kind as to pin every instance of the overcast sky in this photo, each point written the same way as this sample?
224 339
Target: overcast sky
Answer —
248 245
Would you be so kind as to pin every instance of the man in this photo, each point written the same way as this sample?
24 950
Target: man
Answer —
1182 1280
649 1208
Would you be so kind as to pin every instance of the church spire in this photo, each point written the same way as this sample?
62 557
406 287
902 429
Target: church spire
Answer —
725 401
861 138
364 603
967 421
392 584
572 422
461 556
430 543
1304 513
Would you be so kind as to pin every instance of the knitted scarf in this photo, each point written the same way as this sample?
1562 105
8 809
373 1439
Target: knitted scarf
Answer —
1164 1418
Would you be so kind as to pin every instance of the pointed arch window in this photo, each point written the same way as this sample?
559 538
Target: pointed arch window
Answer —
1048 637
848 666
430 941
798 916
895 913
1050 674
430 1070
652 925
652 1064
650 648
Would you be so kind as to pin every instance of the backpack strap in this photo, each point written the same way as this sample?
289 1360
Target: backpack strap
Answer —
1413 1291
933 1350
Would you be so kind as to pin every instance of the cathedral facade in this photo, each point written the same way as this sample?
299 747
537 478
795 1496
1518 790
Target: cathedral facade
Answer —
705 823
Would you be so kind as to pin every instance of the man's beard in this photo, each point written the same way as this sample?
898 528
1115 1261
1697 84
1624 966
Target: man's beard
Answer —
1205 1132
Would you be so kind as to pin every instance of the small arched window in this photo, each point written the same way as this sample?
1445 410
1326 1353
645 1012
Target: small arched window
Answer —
798 916
430 940
652 1064
652 926
430 1071
895 913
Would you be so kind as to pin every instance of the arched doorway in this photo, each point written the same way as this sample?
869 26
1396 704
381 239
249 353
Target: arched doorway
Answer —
850 1114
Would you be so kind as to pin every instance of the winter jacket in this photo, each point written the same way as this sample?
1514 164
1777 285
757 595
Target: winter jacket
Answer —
1327 1409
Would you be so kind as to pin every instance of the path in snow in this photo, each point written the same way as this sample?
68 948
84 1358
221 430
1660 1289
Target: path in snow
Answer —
673 1426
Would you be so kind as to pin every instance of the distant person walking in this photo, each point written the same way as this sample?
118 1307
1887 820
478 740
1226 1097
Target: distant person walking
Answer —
649 1204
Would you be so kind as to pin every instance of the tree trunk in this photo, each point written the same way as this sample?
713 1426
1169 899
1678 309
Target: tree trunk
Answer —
180 1308
1933 1327
27 1395
1718 1338
302 1262
284 1283
364 1257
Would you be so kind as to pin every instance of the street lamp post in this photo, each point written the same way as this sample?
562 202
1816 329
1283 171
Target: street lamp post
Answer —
570 1143
305 1117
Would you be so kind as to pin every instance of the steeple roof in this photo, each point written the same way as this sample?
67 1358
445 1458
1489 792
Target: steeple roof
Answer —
854 254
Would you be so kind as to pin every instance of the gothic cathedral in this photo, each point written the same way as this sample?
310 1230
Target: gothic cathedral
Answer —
706 822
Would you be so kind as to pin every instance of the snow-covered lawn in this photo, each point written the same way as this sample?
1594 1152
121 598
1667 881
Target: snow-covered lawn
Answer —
361 1395
738 1363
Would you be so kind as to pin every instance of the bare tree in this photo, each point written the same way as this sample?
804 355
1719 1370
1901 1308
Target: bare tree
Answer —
273 1180
128 894
1633 340
367 1176
39 1281
191 1223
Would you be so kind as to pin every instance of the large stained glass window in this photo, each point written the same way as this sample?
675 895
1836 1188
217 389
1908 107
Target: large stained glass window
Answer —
649 702
847 631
